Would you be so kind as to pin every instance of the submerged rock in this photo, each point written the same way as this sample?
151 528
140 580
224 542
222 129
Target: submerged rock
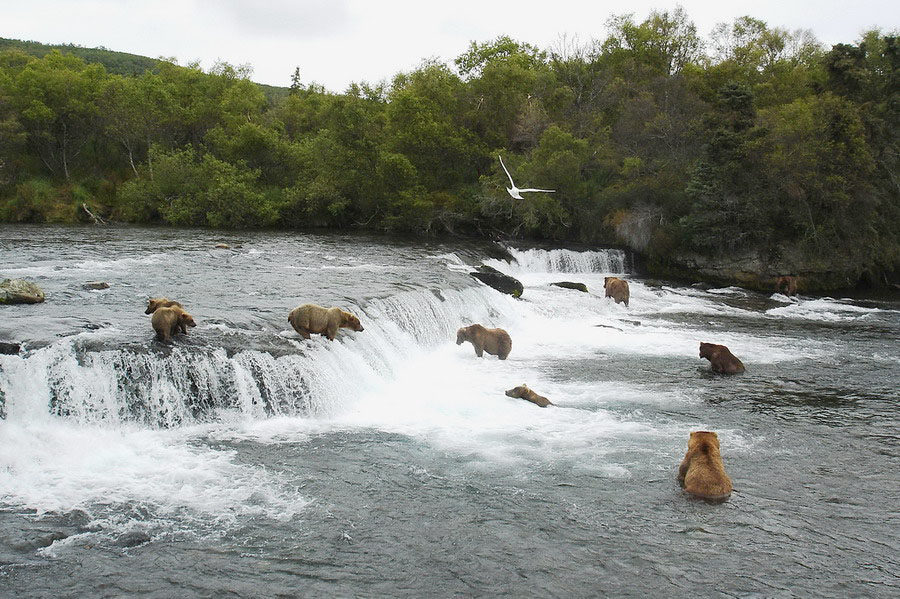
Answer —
20 291
133 538
571 285
96 285
499 281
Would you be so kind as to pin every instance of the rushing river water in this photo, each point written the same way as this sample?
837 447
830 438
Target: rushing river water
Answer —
243 461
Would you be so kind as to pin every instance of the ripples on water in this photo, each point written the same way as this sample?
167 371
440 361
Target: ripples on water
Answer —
244 461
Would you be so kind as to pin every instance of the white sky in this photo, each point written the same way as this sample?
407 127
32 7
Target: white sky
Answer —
335 42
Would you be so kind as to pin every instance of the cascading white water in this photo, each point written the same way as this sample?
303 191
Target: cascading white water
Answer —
548 261
187 384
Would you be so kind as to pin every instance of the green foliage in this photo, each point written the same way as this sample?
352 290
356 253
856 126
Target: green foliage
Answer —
761 144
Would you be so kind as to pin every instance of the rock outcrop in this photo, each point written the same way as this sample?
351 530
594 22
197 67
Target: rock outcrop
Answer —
499 281
20 291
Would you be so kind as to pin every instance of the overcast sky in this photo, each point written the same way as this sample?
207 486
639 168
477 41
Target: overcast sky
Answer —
335 42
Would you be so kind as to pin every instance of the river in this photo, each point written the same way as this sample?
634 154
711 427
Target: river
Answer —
243 461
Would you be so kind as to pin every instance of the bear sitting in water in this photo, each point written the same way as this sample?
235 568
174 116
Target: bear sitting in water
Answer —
524 392
310 318
786 285
493 341
721 359
155 303
617 289
702 472
169 320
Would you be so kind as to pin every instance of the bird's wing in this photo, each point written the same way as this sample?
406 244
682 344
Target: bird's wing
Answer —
507 172
543 190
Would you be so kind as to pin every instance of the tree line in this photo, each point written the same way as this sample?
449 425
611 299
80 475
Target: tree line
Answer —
755 139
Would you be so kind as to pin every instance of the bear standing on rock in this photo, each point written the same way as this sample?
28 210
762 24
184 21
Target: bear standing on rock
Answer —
721 359
310 318
702 472
493 341
617 289
169 321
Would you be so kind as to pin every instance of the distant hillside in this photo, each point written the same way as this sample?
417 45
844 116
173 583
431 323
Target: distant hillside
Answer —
118 63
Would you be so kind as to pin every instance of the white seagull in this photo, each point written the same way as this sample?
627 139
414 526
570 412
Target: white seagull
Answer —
515 191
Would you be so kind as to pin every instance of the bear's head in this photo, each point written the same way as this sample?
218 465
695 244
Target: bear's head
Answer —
606 281
462 335
699 438
352 322
186 319
707 349
153 303
518 392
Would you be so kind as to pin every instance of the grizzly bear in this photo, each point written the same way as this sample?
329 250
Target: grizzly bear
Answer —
702 473
786 285
722 360
523 392
154 303
310 318
617 289
167 321
493 341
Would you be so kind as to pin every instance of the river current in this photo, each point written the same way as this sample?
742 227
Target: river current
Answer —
243 461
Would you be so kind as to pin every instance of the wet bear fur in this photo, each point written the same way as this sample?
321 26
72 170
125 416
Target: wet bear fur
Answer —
310 318
154 303
702 472
493 341
721 359
168 321
617 289
786 285
524 392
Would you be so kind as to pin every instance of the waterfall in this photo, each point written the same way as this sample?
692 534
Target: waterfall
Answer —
564 261
165 387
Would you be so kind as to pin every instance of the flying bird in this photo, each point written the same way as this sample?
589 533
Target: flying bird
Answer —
515 191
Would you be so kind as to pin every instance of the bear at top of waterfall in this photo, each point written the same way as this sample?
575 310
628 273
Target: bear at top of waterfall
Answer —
155 303
168 321
523 391
310 318
702 472
721 358
786 285
617 289
496 342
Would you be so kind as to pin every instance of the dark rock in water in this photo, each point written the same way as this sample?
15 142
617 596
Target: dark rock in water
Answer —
19 291
133 538
499 281
9 349
571 285
96 285
498 252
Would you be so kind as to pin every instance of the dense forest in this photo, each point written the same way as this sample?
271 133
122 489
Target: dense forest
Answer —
756 144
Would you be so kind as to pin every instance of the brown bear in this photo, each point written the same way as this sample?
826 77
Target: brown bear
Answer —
701 472
167 321
617 289
154 303
493 341
523 392
786 285
722 360
310 318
